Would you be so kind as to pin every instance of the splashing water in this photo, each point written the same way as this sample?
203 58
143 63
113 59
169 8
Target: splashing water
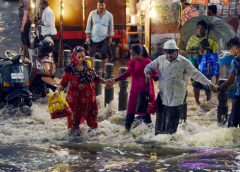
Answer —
40 142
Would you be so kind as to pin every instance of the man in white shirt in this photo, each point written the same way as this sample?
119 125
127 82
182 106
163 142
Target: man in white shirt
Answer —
173 72
47 21
99 32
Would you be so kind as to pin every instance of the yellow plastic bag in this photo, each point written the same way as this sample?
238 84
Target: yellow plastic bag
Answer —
57 105
89 63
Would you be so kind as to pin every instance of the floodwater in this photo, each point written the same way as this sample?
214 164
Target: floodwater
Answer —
39 144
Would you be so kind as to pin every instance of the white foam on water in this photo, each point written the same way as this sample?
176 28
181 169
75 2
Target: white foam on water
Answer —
200 130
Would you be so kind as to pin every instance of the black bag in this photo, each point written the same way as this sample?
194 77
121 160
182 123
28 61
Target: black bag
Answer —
143 99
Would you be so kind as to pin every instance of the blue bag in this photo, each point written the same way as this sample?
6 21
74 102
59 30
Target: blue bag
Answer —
216 67
199 59
206 65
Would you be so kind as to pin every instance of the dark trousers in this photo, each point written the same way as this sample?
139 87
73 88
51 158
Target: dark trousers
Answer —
234 118
130 118
183 115
99 50
167 118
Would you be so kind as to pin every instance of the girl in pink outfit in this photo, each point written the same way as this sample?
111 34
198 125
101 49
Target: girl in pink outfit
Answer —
138 82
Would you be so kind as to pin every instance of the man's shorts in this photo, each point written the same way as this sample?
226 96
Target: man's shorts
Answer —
99 50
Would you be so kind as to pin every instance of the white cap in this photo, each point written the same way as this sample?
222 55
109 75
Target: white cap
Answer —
170 44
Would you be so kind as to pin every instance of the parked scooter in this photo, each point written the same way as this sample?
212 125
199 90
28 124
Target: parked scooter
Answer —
14 82
43 69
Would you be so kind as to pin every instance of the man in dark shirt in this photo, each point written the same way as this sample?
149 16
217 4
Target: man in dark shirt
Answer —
25 24
234 75
212 10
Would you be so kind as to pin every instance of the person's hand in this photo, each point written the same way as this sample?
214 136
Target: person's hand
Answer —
183 53
112 81
22 29
200 51
55 94
110 40
59 89
214 88
88 41
148 77
109 82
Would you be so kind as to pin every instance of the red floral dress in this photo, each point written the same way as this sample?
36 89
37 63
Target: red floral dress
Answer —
81 95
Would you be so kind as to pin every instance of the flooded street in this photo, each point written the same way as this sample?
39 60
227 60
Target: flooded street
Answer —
40 144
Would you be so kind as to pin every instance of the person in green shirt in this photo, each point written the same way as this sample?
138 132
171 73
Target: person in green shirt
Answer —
195 49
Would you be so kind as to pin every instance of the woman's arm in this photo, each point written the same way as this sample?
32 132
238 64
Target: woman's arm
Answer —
99 79
126 74
190 51
64 81
102 80
123 76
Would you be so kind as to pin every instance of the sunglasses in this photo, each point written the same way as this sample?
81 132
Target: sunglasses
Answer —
169 51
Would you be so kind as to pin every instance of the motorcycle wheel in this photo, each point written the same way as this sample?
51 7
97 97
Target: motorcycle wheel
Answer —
26 110
24 104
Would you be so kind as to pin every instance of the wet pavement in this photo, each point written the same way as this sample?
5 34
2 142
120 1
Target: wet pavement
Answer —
9 32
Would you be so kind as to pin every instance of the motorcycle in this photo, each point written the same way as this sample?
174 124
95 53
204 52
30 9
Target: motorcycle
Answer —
14 82
43 68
